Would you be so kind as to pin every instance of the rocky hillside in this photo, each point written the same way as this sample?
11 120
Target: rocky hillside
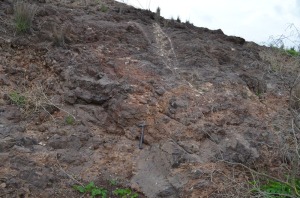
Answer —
77 87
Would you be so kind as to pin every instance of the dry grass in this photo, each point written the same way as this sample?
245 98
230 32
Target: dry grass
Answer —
278 61
157 15
59 36
295 97
30 100
232 183
244 182
23 16
281 159
33 100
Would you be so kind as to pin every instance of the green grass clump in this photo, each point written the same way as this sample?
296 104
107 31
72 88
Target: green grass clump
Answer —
113 182
276 189
292 52
70 120
92 190
23 16
125 193
95 191
103 8
17 98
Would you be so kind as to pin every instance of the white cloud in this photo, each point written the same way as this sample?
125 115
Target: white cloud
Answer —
254 20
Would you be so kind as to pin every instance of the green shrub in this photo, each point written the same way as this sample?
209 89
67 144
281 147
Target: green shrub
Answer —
276 189
113 182
103 8
292 52
125 193
17 98
95 191
23 16
70 120
92 190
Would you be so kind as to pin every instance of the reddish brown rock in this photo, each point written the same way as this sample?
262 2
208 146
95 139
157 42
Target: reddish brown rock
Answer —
204 97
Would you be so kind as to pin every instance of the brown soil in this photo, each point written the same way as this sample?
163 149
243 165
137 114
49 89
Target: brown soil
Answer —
91 77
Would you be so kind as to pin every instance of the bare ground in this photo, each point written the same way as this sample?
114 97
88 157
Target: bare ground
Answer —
89 78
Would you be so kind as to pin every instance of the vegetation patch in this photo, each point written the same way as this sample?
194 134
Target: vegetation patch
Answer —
23 16
59 36
95 191
277 189
103 8
292 52
125 193
70 120
92 190
17 98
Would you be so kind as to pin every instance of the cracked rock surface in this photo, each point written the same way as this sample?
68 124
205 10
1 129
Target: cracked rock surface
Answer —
205 98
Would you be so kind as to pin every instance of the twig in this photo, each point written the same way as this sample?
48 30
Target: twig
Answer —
295 138
263 174
70 176
52 104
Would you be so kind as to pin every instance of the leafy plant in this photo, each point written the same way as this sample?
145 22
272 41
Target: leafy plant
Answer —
95 191
259 93
125 193
113 182
92 190
103 8
23 16
70 120
17 98
276 189
292 52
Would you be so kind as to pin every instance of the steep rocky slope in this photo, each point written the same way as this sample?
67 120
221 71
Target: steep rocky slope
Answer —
76 89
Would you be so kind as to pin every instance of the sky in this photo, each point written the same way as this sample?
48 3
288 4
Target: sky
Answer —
254 20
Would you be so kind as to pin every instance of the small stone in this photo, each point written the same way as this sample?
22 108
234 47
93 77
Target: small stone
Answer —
2 102
3 185
196 174
42 143
21 149
265 134
201 184
160 91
